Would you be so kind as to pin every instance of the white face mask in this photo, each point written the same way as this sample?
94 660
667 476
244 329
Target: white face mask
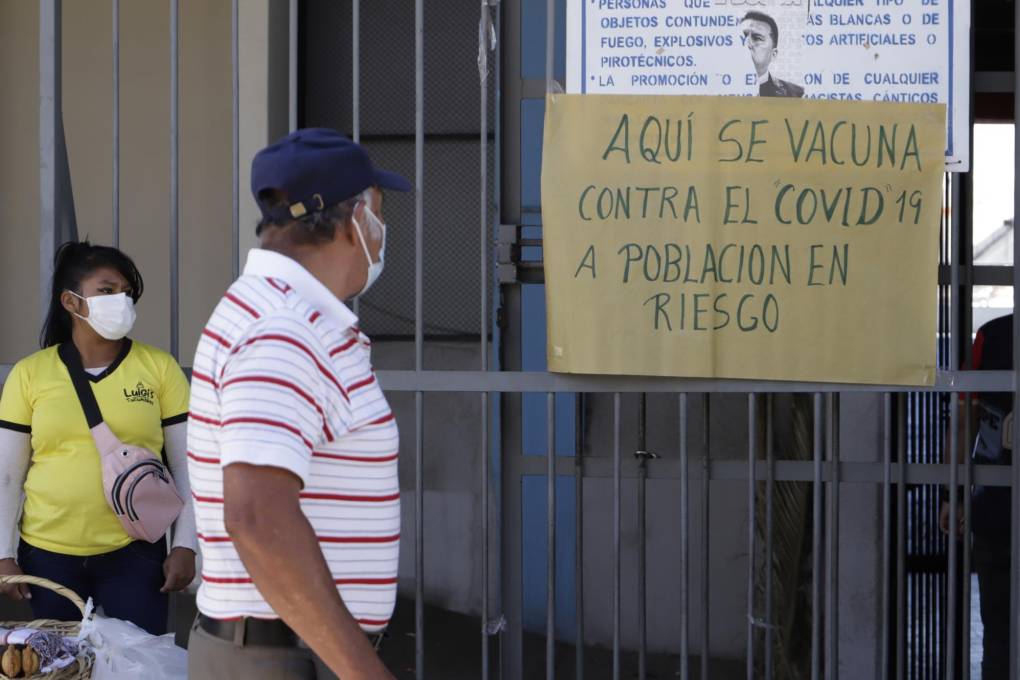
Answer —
112 316
374 268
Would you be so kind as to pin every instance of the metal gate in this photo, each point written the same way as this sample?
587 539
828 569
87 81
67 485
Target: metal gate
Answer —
554 450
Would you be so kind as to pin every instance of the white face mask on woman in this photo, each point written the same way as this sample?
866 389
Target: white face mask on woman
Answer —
374 268
112 316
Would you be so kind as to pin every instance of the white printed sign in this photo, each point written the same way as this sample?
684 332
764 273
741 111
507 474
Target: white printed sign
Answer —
855 50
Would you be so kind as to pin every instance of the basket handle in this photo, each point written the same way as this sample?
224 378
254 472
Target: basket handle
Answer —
50 585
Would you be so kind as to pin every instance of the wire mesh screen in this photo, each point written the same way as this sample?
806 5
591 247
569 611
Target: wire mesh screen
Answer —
452 173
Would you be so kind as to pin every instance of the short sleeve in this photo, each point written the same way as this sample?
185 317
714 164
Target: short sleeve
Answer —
15 402
271 397
173 399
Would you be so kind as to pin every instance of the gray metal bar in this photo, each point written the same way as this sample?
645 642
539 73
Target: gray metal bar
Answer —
292 66
235 69
535 381
115 208
49 161
419 323
419 180
872 472
175 293
485 533
901 538
508 94
968 471
550 36
954 425
979 275
951 540
579 428
769 531
616 536
1014 600
419 538
816 543
550 538
483 264
685 561
642 463
883 639
705 524
832 604
993 81
356 124
752 482
356 70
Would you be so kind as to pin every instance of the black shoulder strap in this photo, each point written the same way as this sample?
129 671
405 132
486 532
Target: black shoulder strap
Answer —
72 360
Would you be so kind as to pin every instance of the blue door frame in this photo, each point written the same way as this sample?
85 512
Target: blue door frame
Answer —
534 434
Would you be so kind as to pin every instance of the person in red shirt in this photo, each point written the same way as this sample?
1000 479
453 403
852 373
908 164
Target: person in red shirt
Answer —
991 506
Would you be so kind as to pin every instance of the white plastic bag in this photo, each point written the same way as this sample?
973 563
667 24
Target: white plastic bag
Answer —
126 652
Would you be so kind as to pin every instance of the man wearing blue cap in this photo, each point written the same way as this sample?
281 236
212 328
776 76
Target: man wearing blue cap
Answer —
292 446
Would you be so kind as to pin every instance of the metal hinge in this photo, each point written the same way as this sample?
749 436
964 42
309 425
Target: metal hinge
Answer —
511 267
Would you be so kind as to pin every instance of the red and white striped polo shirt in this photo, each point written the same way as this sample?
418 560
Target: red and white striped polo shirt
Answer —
282 376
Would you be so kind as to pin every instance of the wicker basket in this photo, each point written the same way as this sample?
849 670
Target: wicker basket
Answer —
79 671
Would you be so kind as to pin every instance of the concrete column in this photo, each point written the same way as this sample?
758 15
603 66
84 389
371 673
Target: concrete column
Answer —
264 84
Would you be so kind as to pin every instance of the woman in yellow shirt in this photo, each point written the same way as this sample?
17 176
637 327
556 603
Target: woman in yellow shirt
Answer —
67 531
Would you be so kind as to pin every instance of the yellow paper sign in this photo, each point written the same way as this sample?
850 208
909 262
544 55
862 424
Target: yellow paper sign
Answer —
729 237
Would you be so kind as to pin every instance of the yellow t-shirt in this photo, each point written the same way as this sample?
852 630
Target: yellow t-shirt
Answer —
142 392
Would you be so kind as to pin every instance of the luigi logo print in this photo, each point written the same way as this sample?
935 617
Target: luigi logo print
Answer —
140 393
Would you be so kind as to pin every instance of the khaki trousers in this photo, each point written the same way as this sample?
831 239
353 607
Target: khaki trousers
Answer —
212 658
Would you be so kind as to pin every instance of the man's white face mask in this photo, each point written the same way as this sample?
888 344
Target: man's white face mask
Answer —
112 316
377 228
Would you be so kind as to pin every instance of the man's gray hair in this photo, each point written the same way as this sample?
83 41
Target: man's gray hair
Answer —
312 229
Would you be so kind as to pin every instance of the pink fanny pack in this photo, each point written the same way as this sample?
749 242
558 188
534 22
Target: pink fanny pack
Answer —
138 486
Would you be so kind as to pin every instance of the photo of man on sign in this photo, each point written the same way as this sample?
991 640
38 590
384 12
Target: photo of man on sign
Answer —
761 37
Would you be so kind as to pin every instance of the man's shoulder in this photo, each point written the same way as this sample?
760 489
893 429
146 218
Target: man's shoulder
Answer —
775 87
788 89
255 301
998 328
996 344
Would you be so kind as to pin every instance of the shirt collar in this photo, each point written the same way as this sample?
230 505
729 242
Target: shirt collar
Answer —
272 264
765 78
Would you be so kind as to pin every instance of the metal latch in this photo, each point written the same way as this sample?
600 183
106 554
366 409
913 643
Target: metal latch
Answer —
511 267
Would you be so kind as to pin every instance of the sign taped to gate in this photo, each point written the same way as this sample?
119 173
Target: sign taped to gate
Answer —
908 51
726 237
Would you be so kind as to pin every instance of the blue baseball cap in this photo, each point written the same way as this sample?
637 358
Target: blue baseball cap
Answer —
316 168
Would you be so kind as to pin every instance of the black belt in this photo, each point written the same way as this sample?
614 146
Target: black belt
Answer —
250 632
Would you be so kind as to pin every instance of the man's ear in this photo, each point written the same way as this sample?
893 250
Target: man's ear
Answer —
345 231
357 214
359 211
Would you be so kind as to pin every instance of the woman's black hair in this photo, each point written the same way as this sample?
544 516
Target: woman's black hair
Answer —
73 262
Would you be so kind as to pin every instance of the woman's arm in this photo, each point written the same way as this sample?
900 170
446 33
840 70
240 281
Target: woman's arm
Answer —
15 454
175 439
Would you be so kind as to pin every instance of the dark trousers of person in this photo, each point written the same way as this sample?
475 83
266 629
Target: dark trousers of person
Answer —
991 562
125 583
